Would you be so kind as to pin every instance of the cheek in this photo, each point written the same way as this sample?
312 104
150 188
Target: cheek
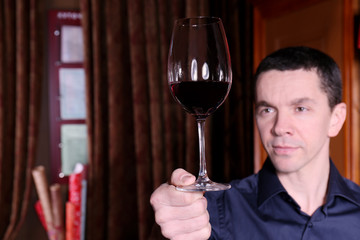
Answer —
264 129
314 132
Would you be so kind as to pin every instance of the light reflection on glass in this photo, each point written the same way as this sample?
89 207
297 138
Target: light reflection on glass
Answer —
194 70
180 72
205 71
221 75
177 70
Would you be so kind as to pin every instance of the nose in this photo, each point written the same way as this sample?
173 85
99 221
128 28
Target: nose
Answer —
282 125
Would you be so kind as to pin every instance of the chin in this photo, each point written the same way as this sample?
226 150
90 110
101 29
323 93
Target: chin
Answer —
284 164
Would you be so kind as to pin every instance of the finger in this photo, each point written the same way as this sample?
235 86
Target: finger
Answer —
180 177
167 195
166 214
202 234
180 227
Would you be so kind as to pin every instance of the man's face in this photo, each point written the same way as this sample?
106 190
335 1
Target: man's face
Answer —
294 119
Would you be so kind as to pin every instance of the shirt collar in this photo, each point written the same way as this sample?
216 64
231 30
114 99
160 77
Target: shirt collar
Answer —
270 185
339 186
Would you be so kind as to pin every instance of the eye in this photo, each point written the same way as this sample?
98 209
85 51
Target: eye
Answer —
301 109
266 110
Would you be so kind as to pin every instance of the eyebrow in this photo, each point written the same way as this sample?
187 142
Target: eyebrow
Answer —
262 104
294 102
302 100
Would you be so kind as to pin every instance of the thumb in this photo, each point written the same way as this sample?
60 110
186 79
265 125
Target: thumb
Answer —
180 177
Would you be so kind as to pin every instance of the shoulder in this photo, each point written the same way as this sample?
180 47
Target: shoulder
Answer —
354 189
352 185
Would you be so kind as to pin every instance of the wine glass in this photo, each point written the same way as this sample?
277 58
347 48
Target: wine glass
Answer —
199 78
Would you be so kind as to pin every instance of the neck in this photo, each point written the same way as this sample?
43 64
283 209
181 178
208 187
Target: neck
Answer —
308 187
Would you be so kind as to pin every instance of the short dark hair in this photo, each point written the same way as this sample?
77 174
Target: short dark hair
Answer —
295 58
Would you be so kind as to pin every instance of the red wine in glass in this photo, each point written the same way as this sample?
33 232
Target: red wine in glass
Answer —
199 77
200 98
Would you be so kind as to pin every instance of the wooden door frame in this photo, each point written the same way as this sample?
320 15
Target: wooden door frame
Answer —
267 9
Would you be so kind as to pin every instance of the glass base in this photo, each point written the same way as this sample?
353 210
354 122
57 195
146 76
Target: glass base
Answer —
204 187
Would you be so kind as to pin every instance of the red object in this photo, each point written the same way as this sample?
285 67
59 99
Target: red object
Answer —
70 215
40 214
75 189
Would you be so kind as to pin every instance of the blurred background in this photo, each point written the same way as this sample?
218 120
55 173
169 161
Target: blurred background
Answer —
85 81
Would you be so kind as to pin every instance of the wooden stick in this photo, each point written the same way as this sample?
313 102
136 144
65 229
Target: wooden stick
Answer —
42 189
58 211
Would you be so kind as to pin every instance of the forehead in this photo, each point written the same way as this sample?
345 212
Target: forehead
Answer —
292 83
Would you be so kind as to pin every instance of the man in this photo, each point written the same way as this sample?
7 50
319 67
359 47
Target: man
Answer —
298 194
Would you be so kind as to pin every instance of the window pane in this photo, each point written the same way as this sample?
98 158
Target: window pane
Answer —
72 44
72 93
73 146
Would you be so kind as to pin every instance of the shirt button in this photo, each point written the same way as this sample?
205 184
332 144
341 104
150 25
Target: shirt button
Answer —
310 225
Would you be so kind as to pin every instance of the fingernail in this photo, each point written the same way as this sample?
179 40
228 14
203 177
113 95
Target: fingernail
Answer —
185 178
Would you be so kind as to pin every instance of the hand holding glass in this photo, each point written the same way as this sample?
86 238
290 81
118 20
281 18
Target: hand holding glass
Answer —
199 75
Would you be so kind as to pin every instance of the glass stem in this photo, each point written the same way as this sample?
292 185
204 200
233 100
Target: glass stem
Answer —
202 177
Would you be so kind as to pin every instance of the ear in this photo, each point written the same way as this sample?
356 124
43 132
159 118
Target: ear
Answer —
338 116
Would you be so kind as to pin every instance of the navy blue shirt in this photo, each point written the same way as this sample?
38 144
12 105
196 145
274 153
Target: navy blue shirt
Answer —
258 207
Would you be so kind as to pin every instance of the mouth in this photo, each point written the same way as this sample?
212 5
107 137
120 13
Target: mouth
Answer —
284 150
